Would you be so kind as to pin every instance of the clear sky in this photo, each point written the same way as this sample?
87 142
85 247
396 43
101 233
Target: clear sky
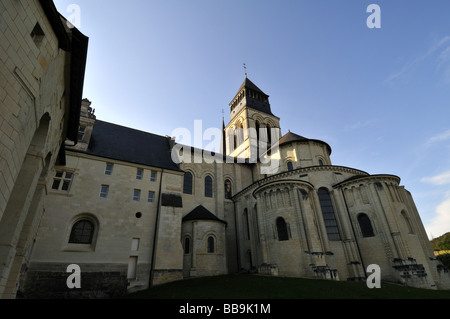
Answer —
380 97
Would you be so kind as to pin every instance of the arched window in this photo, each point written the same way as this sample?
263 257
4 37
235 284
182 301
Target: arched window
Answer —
320 162
240 134
228 191
408 223
269 136
208 186
328 215
231 139
290 166
282 229
187 245
365 225
82 232
257 127
379 186
187 183
210 245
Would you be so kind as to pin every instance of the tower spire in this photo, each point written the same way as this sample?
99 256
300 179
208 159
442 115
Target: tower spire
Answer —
223 144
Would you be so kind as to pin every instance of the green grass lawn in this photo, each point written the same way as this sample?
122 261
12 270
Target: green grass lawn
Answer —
263 287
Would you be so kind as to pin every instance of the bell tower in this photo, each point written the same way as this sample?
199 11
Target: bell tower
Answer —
252 127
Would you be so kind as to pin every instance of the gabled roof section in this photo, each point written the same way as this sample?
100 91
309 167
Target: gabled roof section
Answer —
129 145
201 213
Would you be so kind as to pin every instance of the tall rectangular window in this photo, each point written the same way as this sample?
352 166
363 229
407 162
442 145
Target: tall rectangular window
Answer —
109 168
62 181
137 195
104 191
153 176
151 197
187 183
139 173
329 217
208 186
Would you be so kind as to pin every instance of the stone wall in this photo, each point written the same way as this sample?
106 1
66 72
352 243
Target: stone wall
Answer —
199 261
34 108
49 281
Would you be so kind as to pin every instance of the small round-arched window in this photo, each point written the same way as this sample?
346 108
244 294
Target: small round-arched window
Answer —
187 183
290 166
187 245
208 186
228 191
282 229
210 245
365 225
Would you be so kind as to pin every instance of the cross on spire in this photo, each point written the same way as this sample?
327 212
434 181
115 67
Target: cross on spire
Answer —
245 68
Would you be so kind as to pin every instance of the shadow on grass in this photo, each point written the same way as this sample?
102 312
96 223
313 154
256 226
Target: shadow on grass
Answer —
263 287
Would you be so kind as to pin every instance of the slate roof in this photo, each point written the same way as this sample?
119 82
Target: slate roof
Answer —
201 213
130 145
292 137
250 85
254 103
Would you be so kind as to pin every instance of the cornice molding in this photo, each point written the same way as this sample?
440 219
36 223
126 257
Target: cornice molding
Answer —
282 177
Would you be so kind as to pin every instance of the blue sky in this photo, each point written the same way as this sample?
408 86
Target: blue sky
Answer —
379 97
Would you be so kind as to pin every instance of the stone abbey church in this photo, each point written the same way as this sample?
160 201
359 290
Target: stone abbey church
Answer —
76 190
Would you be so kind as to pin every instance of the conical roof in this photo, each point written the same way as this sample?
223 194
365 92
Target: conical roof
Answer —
292 137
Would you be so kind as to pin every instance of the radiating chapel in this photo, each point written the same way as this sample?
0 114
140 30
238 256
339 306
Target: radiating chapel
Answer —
92 209
131 215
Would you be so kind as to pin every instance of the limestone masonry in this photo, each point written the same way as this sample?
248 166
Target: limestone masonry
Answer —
115 201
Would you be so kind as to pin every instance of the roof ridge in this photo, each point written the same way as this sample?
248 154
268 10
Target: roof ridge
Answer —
132 129
113 141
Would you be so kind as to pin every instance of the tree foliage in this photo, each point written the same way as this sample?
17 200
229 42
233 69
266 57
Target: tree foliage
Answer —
441 242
